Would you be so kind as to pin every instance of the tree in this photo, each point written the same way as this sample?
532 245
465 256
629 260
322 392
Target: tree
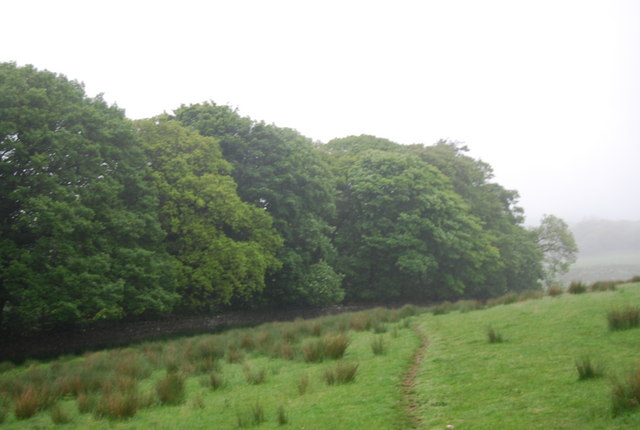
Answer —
403 232
497 210
558 246
280 171
223 247
79 234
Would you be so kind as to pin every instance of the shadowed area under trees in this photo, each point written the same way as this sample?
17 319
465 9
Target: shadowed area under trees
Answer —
103 218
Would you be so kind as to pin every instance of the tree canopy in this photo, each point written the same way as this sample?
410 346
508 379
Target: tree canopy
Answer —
79 235
204 209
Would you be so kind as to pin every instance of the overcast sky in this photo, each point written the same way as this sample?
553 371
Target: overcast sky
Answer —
547 92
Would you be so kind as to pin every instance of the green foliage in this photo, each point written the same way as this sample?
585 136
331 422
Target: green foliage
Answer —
79 236
280 171
223 247
403 232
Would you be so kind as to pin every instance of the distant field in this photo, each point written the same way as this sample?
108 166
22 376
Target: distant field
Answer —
366 370
603 268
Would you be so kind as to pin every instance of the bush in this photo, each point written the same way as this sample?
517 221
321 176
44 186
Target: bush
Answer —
624 318
341 373
469 305
587 369
625 395
170 389
577 287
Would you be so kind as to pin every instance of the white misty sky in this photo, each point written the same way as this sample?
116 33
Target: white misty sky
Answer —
547 92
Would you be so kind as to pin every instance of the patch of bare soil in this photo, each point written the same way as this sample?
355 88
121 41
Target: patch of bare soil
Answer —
409 381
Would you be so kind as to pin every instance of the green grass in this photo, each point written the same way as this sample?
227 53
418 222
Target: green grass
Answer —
530 381
191 383
347 371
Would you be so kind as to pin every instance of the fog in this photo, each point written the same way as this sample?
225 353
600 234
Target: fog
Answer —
546 92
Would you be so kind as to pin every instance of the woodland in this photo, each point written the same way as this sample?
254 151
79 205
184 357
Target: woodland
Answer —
202 210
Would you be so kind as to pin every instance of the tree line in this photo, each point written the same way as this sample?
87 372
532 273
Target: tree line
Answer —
102 217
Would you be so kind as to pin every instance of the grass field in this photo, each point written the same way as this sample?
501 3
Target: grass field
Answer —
352 372
529 380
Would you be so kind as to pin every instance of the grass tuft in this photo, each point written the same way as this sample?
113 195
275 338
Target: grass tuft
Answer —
170 389
378 346
493 336
59 415
577 287
624 318
28 403
283 418
625 395
341 373
555 291
587 369
302 384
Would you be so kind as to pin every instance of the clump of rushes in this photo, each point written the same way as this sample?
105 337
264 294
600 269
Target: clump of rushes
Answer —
625 395
624 318
255 377
555 291
577 287
216 381
170 389
313 350
303 384
493 336
377 345
59 415
235 355
283 419
587 369
336 346
118 405
341 373
28 403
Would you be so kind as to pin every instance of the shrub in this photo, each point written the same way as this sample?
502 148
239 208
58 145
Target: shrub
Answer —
530 295
170 389
341 373
493 336
577 287
625 395
624 318
443 308
635 279
377 345
555 291
587 369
